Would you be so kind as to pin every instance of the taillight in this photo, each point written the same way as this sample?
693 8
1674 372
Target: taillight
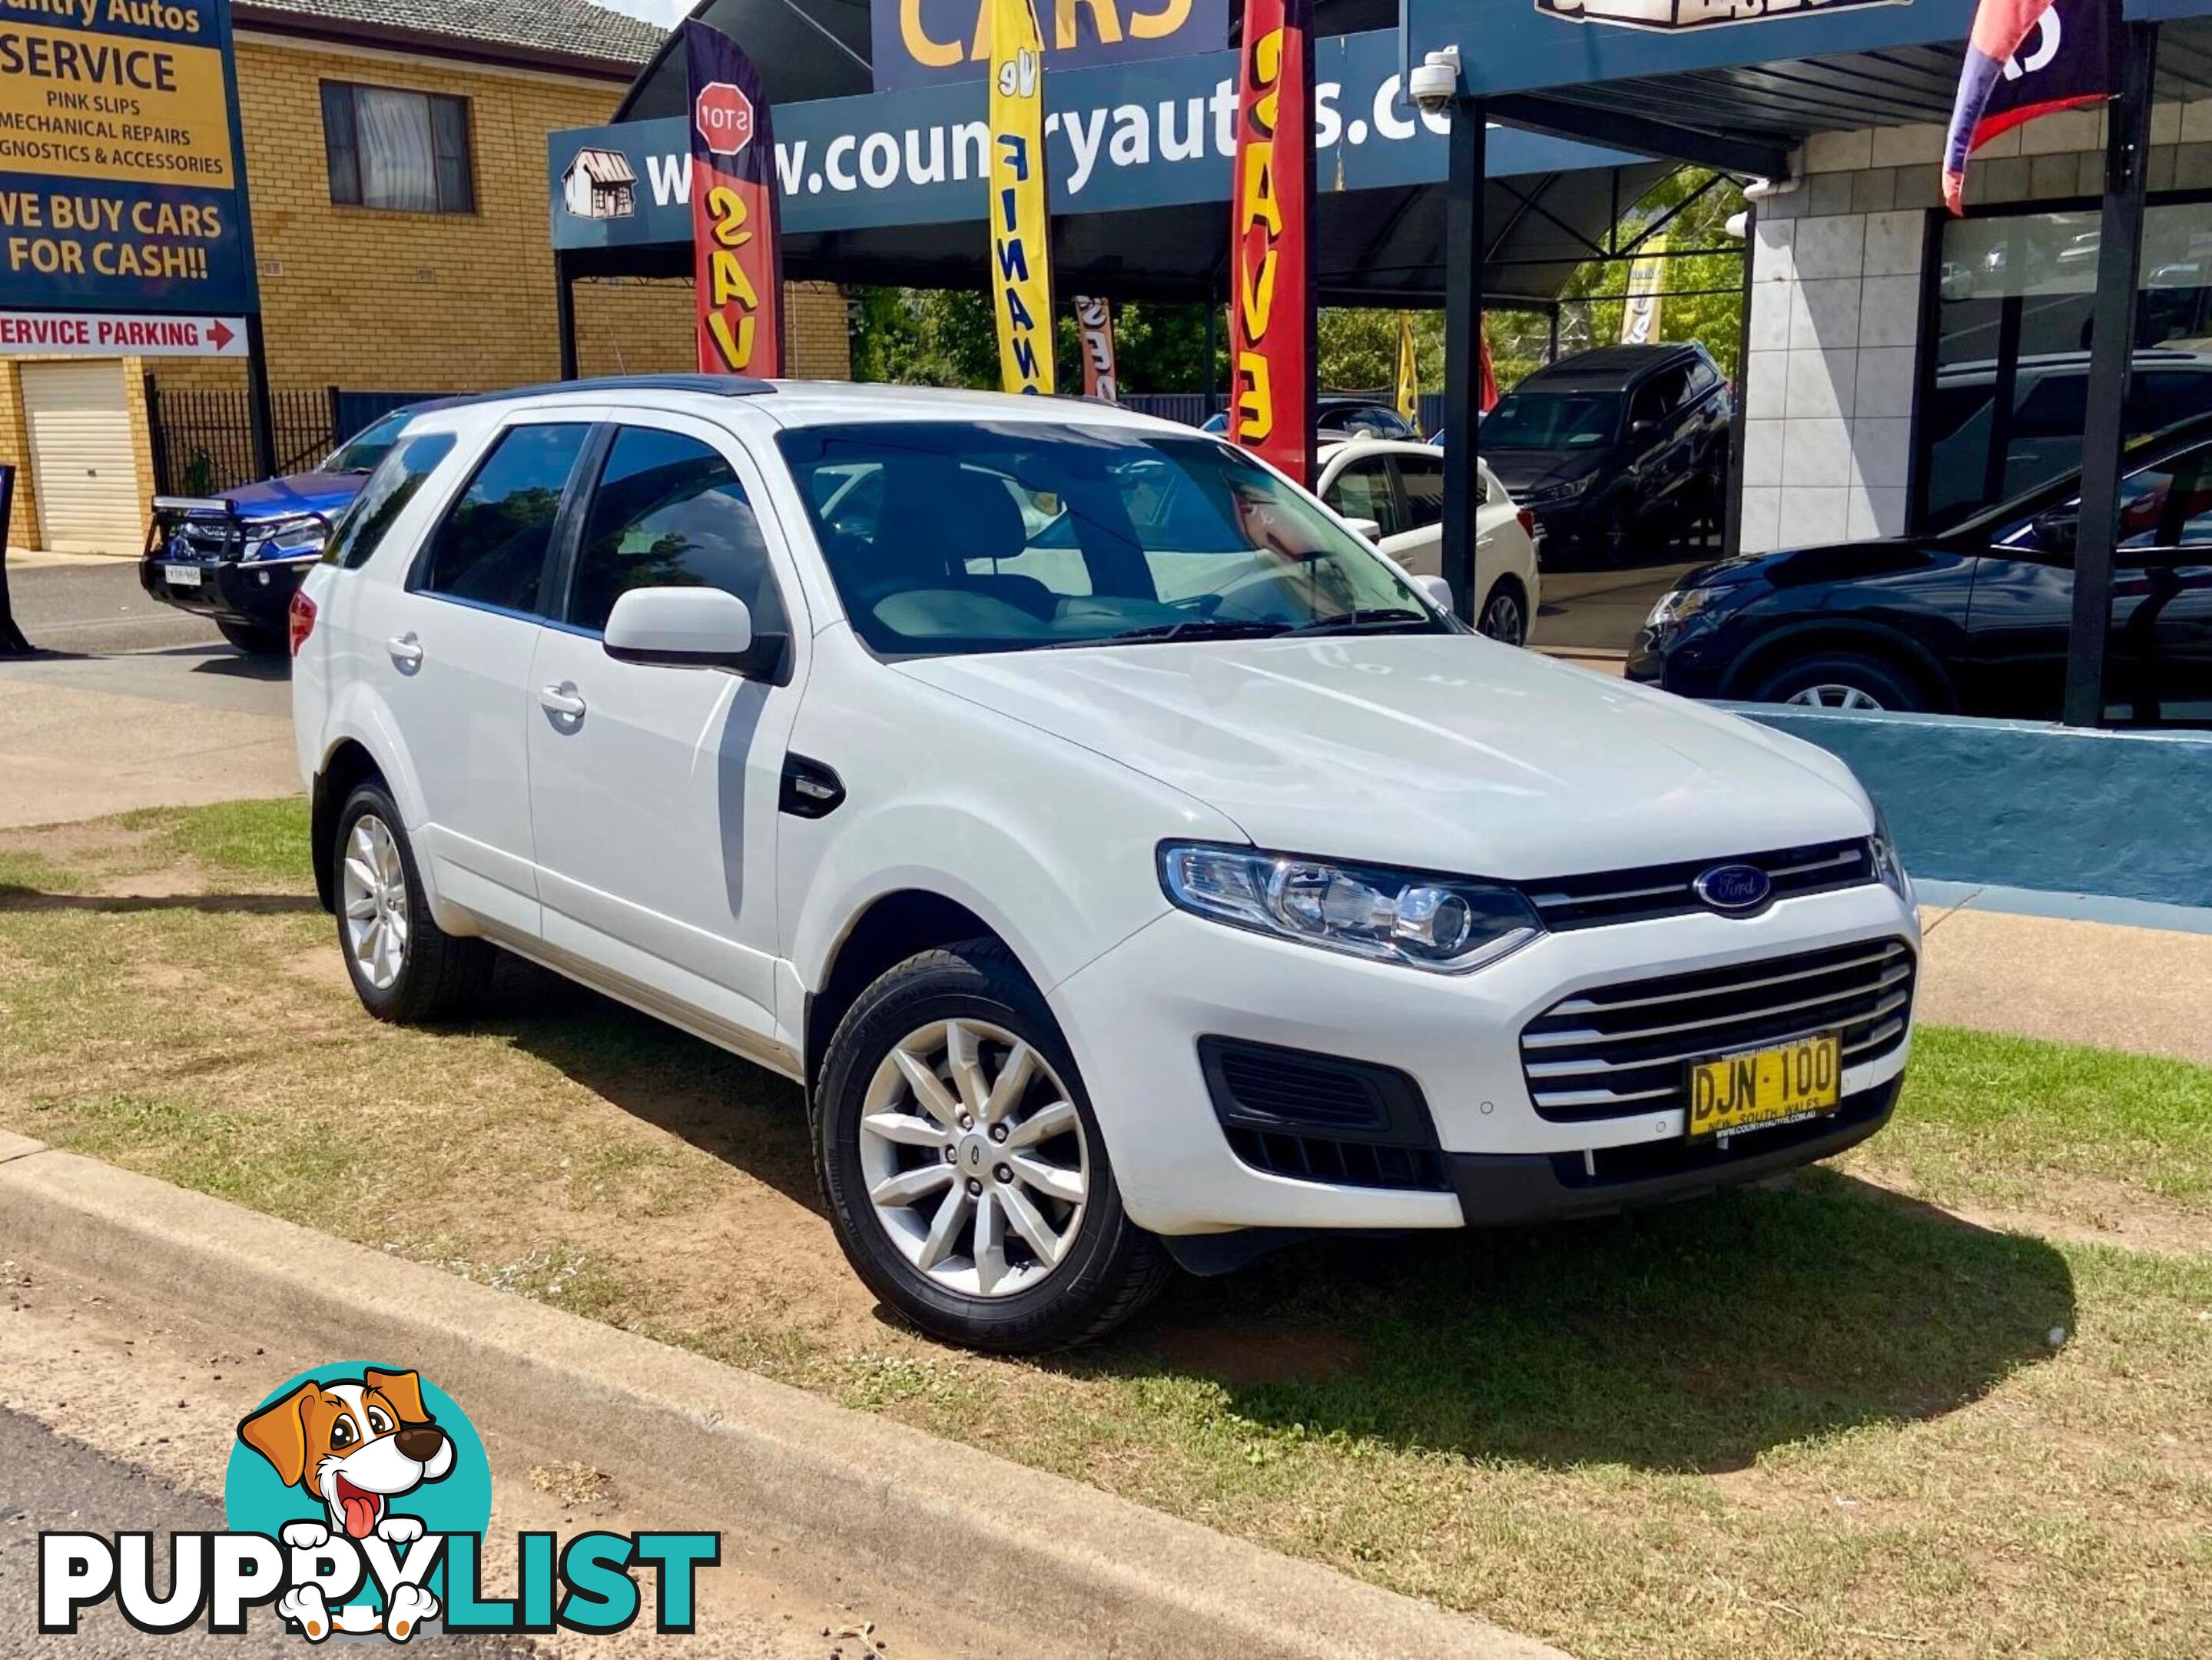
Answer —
303 617
1528 528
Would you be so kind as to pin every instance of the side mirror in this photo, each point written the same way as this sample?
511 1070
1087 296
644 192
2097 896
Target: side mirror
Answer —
683 628
1438 591
1368 530
1642 429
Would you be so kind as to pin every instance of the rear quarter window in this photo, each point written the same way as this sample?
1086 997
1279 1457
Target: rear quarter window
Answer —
391 487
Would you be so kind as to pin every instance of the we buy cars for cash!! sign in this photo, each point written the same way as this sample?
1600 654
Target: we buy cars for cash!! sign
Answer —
119 181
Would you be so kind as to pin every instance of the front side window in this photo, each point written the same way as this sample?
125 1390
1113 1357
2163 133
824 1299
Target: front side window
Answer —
670 513
389 148
955 536
390 488
490 548
361 453
1363 490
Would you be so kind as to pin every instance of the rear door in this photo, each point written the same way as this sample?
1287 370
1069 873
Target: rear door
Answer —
655 789
1365 488
449 651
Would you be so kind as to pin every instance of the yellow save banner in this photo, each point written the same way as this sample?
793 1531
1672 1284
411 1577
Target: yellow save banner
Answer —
1021 245
78 105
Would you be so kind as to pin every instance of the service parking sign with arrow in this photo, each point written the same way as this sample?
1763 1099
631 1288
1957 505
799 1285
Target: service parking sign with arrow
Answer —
110 334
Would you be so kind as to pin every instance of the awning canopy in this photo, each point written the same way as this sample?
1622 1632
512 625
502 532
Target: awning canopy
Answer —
861 203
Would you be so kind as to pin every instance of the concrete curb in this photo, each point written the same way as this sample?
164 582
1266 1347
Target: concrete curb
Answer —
1078 1566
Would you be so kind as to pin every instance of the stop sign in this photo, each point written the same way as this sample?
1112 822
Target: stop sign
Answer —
725 117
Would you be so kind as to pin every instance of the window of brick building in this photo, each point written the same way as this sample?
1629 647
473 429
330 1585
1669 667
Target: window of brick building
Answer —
391 148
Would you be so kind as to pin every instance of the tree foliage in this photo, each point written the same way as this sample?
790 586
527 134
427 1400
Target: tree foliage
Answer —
946 337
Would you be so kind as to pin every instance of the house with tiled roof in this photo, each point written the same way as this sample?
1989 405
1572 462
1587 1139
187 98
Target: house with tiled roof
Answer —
396 159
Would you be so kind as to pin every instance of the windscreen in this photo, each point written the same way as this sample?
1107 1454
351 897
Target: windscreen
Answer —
955 536
1551 420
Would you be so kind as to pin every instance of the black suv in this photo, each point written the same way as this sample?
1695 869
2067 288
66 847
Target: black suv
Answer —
1615 448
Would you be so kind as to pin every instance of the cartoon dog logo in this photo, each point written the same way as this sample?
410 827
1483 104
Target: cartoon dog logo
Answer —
356 1444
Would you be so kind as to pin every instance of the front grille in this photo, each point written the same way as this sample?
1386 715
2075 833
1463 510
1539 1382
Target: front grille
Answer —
202 543
1321 1117
1635 896
1626 1049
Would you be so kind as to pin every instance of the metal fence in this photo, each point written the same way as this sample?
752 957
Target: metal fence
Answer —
1191 408
202 437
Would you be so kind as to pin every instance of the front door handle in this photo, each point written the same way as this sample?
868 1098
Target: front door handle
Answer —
561 700
406 650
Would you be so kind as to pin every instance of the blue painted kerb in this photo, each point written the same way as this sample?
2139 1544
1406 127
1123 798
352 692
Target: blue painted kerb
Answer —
2026 804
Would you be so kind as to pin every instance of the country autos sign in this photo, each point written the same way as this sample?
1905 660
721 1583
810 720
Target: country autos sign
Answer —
119 179
1125 136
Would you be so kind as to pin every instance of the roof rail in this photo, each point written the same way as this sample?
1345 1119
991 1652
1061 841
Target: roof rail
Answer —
717 386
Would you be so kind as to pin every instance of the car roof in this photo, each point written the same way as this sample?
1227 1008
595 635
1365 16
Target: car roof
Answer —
817 402
1609 367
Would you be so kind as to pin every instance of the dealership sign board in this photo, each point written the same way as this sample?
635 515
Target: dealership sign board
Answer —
121 334
1119 137
119 179
920 43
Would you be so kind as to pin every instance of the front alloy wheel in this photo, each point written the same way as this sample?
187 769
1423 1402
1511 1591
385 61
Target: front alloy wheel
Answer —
975 1161
1504 618
1828 695
963 1165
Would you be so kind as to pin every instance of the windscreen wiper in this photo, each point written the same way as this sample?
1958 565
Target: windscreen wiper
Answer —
1377 619
1191 628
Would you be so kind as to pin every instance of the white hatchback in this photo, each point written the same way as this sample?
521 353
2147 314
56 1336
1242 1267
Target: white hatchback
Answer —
1131 867
1398 487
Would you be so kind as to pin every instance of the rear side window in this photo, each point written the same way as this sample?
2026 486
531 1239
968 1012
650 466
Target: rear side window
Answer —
1362 491
669 512
390 488
490 547
1422 479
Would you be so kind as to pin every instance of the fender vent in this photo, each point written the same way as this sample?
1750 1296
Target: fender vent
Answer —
1321 1118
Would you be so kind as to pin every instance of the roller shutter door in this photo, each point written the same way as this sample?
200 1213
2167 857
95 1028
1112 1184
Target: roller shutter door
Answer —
83 466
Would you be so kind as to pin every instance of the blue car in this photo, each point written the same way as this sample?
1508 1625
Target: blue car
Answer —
238 559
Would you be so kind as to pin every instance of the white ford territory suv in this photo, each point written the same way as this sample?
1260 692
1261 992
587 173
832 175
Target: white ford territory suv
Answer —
1131 867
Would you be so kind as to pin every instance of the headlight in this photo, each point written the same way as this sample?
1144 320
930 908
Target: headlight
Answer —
1678 607
1886 864
1436 922
1566 492
295 540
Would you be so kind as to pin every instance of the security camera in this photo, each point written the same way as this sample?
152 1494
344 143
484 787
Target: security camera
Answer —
1434 83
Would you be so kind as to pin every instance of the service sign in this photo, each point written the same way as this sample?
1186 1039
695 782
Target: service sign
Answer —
121 334
920 43
119 182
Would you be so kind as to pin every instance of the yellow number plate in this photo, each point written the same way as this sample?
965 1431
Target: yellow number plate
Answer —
1760 1088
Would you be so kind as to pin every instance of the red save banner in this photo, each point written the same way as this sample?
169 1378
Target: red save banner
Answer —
737 260
1271 344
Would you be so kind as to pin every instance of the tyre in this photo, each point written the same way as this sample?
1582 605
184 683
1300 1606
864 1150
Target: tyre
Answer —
254 640
1841 680
1505 615
963 1165
403 966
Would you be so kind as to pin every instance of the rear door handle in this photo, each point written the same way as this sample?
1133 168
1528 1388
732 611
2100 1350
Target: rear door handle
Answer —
560 700
406 650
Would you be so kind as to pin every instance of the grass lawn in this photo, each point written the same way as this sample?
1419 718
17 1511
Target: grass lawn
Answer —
1950 1396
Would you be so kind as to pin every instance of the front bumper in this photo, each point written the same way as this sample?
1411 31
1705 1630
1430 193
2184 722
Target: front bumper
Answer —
1134 1017
254 593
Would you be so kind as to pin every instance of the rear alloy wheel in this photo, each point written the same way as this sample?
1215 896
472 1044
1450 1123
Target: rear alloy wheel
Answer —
1841 680
1505 615
965 1174
404 968
1616 536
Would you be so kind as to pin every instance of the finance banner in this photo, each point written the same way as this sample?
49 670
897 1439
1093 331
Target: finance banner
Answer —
119 179
1094 322
1021 227
737 253
1640 305
1270 317
1409 370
